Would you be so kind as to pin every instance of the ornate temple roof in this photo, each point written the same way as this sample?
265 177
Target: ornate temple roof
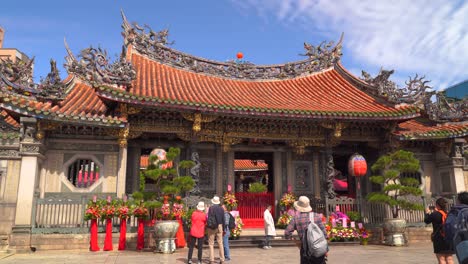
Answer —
426 129
325 94
151 74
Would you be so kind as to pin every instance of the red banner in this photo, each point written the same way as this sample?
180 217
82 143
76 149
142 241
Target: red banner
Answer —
123 234
108 239
180 237
141 234
93 243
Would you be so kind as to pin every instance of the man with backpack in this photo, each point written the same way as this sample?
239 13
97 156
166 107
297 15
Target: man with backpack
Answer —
301 222
215 228
456 228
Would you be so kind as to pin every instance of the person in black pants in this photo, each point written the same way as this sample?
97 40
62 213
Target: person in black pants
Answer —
442 248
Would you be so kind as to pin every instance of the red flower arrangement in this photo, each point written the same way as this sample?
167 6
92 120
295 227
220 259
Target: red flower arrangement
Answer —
230 200
140 212
92 211
178 207
108 211
123 212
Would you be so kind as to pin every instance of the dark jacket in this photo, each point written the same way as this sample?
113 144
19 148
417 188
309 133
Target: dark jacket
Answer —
218 212
451 219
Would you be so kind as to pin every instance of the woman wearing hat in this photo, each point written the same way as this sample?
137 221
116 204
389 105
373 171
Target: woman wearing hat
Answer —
197 232
300 222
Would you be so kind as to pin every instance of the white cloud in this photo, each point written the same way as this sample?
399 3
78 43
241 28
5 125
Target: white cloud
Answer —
417 36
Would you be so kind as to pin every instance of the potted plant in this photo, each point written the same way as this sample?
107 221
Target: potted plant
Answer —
257 187
395 190
165 201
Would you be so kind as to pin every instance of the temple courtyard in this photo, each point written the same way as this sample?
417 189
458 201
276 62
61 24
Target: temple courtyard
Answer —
415 253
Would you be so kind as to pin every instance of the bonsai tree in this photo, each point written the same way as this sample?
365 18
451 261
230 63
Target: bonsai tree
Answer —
395 187
165 172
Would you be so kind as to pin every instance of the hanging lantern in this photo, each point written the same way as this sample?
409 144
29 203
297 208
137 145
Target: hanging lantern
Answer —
357 165
239 55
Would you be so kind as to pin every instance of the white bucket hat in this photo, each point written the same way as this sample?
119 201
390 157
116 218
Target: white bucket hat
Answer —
201 206
303 204
215 200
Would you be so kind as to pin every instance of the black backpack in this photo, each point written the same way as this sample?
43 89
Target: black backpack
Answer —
232 222
211 223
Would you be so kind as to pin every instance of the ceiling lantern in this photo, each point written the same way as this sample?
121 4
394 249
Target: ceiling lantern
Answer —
357 165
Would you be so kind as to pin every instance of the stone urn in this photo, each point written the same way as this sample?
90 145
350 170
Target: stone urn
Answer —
164 233
394 232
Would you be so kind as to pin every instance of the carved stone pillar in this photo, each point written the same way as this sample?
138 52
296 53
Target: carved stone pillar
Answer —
277 175
122 169
195 171
457 161
28 180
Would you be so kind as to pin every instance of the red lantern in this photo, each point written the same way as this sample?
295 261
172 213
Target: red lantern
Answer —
240 55
357 165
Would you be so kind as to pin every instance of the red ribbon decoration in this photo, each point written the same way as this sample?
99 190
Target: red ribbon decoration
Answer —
180 237
108 239
123 234
93 243
141 234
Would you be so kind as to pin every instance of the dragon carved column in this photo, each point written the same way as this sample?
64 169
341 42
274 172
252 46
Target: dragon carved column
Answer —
195 172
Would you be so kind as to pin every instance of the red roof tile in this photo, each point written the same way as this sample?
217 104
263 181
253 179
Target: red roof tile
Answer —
249 165
81 103
320 94
425 129
9 119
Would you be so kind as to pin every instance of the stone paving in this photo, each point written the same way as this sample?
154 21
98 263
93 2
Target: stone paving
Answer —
415 253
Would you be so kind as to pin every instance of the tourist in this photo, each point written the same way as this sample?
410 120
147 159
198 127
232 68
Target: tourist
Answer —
437 216
197 232
216 213
455 225
269 223
299 222
226 234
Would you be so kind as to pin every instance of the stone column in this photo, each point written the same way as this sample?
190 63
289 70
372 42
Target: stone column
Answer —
316 172
122 171
290 170
29 171
230 168
277 182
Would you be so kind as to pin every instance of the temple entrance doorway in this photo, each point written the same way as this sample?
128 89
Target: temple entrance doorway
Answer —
251 168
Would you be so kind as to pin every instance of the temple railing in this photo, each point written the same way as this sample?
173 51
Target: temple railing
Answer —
252 205
64 214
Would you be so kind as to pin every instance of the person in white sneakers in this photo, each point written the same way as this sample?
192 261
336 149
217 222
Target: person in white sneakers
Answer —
270 231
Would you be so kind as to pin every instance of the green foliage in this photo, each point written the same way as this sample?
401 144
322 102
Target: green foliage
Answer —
354 216
167 179
394 187
153 204
137 196
142 181
257 187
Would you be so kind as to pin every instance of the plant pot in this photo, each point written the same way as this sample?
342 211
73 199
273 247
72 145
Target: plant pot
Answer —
394 232
364 242
164 233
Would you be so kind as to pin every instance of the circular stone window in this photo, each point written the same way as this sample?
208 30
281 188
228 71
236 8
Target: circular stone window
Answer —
83 173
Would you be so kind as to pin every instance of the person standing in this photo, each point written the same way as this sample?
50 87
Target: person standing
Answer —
299 222
227 234
442 247
269 223
216 212
453 226
197 232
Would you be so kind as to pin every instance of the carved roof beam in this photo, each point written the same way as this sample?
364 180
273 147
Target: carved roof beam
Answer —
336 127
197 119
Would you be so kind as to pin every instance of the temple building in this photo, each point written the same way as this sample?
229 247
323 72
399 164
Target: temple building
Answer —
290 126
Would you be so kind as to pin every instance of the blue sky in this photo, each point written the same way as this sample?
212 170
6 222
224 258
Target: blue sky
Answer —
424 37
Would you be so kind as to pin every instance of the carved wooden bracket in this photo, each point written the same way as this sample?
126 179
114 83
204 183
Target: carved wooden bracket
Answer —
131 110
123 109
198 119
299 145
337 127
445 146
42 127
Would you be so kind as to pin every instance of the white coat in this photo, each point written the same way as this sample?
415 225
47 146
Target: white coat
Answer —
269 223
